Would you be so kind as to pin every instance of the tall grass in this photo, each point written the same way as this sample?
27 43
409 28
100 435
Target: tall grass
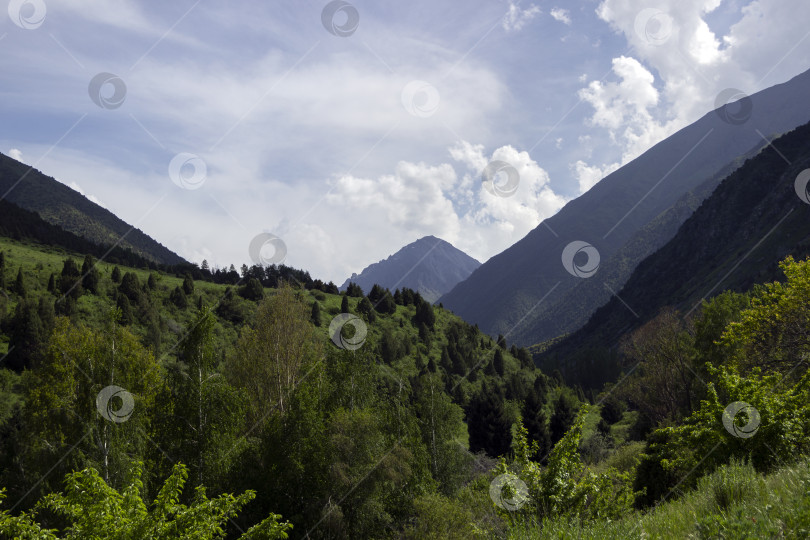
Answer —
732 502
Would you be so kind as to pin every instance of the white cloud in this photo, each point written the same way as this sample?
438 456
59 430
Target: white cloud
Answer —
562 15
516 18
693 65
626 108
423 199
15 153
589 175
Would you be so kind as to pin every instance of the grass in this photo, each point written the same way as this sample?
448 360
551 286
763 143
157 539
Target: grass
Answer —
733 502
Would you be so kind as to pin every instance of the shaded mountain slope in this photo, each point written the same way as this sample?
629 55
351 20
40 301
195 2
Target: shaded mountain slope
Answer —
510 291
733 240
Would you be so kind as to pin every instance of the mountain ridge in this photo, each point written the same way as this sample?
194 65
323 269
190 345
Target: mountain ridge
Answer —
58 204
514 288
429 265
734 240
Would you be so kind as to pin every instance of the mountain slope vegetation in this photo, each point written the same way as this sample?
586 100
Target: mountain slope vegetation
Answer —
59 205
732 241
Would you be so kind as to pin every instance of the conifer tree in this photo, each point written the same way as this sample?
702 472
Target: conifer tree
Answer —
315 317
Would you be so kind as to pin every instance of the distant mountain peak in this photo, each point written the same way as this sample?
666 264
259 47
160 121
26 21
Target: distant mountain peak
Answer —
429 265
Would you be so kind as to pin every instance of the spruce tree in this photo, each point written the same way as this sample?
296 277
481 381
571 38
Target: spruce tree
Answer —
425 315
562 418
70 280
498 363
535 421
116 275
126 310
178 298
315 316
90 274
188 285
19 284
27 336
344 304
488 423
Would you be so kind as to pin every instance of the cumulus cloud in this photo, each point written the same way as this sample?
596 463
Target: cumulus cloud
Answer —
425 199
562 15
516 18
588 175
627 109
15 153
693 65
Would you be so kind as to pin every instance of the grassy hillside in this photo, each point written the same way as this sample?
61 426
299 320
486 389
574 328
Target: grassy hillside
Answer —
733 502
428 429
423 380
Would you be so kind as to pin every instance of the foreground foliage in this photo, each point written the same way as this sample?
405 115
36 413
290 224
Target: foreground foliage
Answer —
92 509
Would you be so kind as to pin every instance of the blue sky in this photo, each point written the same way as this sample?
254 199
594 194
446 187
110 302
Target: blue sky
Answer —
348 147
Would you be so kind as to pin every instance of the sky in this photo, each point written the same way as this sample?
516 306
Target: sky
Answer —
350 129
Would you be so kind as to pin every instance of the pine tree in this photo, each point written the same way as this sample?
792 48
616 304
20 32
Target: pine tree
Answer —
52 283
498 363
19 284
126 310
424 335
344 304
151 282
535 421
562 418
525 358
131 288
90 276
116 275
178 298
315 316
488 422
425 315
47 314
252 290
27 338
70 281
188 285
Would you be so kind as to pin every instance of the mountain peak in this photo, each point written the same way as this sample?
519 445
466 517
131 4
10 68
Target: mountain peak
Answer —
429 265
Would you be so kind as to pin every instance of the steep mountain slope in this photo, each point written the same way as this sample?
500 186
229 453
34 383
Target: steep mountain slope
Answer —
733 240
430 266
56 203
20 224
510 292
577 305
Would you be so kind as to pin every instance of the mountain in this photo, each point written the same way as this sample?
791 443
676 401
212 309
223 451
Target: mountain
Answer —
59 205
430 266
20 224
734 240
511 292
578 304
